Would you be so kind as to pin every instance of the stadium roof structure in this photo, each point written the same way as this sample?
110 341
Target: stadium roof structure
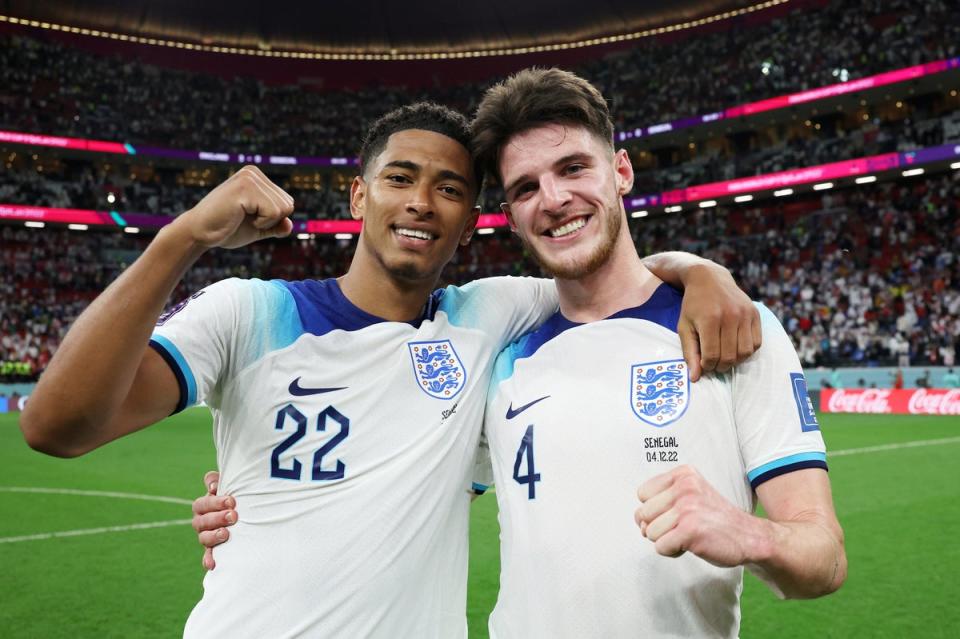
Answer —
414 26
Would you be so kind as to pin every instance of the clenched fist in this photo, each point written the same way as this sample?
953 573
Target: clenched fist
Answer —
682 512
245 208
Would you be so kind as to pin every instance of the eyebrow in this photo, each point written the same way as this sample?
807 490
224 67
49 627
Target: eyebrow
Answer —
444 174
567 159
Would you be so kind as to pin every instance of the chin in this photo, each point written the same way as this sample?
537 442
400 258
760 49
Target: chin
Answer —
573 268
411 272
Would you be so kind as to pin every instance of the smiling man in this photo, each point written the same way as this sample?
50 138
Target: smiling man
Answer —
347 412
571 453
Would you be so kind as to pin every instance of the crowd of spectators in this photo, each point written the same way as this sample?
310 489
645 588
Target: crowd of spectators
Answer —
861 277
868 276
803 146
49 88
87 184
82 183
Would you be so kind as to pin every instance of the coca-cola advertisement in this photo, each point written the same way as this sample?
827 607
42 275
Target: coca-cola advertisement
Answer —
909 401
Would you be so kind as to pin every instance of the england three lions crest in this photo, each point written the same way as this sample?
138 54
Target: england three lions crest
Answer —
659 391
438 368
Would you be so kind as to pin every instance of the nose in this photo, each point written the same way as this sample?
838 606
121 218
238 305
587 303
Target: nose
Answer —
421 200
554 197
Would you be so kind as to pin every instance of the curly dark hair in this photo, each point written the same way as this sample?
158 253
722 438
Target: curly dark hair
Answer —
426 116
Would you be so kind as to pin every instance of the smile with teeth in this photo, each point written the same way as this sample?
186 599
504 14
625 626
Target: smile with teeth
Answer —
568 228
417 234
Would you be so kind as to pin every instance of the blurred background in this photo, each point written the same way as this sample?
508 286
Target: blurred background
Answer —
810 146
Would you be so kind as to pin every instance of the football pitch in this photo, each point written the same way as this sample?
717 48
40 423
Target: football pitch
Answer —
99 546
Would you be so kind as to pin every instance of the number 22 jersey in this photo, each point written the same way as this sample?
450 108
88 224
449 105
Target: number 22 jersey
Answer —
578 417
349 443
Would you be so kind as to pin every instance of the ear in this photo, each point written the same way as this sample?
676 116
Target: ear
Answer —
624 170
505 208
358 193
470 227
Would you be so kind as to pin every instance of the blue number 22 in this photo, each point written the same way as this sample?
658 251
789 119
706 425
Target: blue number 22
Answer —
532 477
300 420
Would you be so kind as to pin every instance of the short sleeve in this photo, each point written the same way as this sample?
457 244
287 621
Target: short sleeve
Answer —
777 426
192 338
210 337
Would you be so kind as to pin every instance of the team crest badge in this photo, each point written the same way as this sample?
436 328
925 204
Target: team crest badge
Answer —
438 368
659 391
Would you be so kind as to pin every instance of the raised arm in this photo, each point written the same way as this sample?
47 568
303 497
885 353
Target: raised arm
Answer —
797 550
719 325
104 382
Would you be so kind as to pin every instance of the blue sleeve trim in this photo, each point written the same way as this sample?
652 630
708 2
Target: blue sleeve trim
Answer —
479 489
786 465
181 370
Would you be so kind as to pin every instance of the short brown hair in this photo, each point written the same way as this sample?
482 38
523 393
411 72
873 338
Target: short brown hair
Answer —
530 98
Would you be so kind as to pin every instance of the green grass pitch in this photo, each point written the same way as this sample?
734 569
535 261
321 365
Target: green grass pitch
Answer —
900 508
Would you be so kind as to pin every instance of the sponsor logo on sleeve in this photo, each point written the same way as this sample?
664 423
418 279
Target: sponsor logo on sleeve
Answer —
659 391
437 368
808 419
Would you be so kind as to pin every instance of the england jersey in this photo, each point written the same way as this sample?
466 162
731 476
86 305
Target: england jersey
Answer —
349 443
578 417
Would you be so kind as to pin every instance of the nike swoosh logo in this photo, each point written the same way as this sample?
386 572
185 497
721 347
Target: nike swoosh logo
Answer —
299 391
511 413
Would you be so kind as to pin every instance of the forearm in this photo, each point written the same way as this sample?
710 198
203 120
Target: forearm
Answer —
91 374
800 559
676 268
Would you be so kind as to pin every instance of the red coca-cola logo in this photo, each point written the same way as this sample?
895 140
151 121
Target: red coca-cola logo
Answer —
934 402
913 401
859 401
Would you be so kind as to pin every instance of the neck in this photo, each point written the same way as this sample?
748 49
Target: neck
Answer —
621 282
373 289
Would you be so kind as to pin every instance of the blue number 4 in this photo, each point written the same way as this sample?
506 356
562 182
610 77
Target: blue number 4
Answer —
532 477
300 420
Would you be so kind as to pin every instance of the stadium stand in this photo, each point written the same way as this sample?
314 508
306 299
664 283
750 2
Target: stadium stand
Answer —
856 276
861 276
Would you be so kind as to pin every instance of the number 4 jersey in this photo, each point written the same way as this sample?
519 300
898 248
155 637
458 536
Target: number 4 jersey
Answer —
349 443
578 417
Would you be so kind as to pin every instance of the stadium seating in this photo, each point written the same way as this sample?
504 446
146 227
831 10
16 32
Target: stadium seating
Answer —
866 276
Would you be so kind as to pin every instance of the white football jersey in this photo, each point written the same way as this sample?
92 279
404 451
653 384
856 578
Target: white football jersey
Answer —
578 417
349 443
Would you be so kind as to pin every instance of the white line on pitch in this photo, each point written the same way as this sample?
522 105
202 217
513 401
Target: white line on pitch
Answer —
94 531
874 449
94 493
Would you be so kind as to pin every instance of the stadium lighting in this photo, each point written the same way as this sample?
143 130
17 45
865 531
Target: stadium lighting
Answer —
132 230
706 204
866 179
637 214
673 209
955 165
912 172
823 186
485 231
783 193
77 227
396 54
303 236
343 236
743 198
34 225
